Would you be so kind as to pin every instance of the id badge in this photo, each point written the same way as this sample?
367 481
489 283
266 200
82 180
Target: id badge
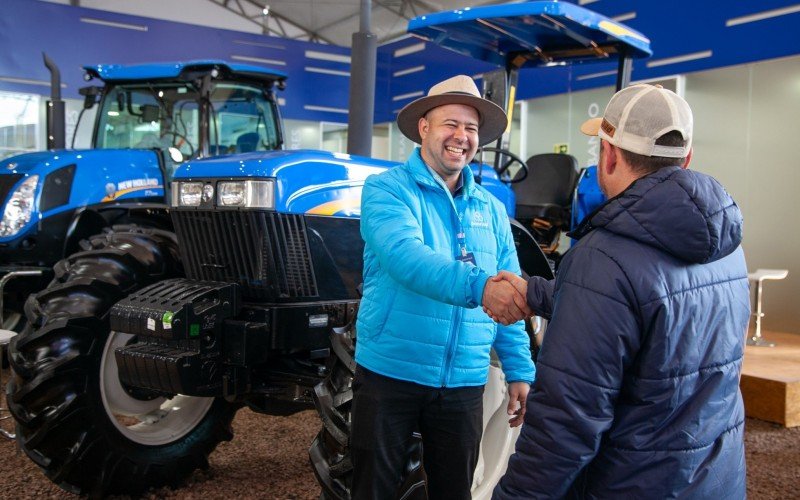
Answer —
468 257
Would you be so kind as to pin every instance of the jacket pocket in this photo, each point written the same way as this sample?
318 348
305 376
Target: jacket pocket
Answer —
373 314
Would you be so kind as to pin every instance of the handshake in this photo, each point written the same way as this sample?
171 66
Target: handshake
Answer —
504 298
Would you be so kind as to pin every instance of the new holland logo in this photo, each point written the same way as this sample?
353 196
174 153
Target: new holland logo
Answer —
478 220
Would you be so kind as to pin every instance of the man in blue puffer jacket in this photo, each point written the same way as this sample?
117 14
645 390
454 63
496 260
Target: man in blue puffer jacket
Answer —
637 390
433 238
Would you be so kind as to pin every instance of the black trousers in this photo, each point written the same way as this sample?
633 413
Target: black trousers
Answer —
386 413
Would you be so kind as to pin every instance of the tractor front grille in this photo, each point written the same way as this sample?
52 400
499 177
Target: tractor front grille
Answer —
265 252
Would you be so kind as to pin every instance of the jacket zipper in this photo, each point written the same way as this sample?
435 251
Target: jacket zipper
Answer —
456 317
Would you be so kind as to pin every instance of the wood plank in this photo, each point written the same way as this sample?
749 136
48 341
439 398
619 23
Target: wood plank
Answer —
792 405
770 380
764 399
781 362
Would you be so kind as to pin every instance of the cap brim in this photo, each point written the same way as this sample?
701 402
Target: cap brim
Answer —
493 119
592 126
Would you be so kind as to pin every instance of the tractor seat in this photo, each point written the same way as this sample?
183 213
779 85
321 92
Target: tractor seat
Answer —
547 191
247 142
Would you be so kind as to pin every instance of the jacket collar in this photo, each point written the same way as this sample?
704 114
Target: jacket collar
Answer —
423 175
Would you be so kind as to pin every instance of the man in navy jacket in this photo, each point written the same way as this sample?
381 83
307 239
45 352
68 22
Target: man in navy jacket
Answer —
637 387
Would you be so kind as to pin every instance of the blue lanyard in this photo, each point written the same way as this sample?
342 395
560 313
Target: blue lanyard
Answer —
461 236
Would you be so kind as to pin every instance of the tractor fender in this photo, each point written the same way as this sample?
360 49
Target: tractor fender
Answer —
89 221
531 258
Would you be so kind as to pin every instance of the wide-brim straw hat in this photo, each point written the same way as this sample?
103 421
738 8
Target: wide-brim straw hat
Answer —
460 89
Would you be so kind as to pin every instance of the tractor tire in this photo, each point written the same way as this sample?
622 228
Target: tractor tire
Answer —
15 322
330 454
88 433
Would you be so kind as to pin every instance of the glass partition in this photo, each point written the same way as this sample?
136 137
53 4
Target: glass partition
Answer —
19 123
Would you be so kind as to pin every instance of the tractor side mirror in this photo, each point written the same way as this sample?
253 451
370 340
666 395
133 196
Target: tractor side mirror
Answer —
149 112
90 95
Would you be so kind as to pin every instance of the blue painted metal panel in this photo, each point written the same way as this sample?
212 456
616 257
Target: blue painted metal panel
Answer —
693 28
499 33
164 71
61 31
101 175
676 29
312 182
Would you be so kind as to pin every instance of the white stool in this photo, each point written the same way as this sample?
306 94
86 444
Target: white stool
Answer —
759 276
5 338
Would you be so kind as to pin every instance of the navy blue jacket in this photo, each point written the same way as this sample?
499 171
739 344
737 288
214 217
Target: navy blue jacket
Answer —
637 387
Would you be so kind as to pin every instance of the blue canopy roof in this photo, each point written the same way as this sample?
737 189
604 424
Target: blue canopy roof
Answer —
530 34
173 70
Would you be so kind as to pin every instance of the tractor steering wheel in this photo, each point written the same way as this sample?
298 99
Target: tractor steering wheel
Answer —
512 159
180 141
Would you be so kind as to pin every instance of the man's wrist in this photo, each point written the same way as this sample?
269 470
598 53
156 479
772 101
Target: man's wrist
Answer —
478 288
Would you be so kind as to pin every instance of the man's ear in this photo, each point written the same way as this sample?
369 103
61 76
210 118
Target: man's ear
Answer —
422 126
688 159
609 152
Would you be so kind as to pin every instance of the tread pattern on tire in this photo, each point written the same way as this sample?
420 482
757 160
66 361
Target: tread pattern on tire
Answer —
329 452
54 395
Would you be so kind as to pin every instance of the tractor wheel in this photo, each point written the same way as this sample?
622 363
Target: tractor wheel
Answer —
330 454
15 322
89 433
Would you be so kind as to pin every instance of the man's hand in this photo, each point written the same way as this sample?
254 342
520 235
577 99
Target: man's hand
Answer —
517 395
520 289
520 283
503 302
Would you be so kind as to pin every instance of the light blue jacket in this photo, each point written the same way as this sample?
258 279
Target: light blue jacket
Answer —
420 319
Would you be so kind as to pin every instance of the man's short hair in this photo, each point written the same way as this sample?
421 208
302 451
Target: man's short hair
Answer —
642 164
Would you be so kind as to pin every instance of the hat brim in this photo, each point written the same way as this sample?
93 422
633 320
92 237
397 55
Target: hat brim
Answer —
592 126
493 120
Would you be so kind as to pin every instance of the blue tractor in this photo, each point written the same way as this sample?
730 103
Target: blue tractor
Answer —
148 341
151 118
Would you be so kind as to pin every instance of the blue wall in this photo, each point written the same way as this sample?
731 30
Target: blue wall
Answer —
676 28
28 27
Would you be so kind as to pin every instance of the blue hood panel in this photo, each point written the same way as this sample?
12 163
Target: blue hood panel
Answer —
312 182
101 176
307 181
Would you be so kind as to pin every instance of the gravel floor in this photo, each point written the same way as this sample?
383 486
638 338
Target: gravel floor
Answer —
268 458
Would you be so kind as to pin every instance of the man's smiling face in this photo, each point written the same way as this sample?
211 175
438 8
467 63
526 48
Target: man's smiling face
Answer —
449 138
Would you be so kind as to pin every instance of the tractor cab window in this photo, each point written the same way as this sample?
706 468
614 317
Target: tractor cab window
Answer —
243 120
163 117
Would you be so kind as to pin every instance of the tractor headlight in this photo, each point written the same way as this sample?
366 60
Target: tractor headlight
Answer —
190 194
19 207
244 194
249 194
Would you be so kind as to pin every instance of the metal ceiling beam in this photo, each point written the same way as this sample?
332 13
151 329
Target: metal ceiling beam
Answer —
355 14
426 8
397 12
242 12
312 35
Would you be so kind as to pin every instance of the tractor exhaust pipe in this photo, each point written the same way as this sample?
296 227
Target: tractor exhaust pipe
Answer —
56 129
362 85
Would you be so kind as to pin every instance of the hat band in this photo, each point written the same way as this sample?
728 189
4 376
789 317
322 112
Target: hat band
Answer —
457 92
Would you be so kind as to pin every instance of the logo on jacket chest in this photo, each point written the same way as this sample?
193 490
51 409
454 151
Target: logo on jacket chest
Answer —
478 220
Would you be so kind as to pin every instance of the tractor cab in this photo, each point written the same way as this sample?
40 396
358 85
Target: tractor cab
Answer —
526 35
186 110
